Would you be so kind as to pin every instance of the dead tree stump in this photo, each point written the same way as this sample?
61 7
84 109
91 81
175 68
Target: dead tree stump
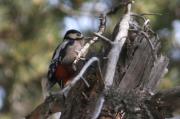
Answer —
126 88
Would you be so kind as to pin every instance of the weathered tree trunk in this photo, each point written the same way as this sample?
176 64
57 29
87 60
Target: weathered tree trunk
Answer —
126 89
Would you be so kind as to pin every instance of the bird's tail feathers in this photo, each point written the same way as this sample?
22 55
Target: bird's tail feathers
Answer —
46 86
61 84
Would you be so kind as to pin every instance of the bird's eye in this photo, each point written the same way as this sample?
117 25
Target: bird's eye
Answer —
78 34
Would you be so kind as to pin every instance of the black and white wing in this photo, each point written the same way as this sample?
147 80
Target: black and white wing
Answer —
57 57
60 51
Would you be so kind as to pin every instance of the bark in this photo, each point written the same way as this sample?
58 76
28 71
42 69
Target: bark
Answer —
127 89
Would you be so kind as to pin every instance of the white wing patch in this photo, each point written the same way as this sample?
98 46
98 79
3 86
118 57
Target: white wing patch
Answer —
58 50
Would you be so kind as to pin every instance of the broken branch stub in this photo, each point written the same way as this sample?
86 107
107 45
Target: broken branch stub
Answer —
118 43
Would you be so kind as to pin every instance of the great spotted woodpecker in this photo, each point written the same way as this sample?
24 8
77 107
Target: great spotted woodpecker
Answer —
61 69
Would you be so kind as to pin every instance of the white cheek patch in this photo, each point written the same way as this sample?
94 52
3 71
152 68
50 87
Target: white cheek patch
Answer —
72 36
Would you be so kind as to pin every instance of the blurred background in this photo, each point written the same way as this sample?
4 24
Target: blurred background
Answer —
30 30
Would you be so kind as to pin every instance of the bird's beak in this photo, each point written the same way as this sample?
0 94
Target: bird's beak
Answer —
88 38
81 36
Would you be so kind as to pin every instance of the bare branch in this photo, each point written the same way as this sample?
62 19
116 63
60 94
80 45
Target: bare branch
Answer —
87 45
98 107
80 75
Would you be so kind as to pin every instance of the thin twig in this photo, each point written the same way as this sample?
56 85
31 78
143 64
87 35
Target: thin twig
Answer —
85 96
87 84
139 16
145 27
103 38
146 23
147 38
143 14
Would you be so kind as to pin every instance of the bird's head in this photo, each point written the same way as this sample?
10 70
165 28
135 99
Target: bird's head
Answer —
74 35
